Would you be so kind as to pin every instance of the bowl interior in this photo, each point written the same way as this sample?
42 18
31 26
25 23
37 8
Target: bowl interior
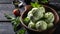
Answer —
49 9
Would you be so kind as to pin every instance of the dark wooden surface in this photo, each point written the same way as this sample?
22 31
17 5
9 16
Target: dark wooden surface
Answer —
6 1
5 8
5 26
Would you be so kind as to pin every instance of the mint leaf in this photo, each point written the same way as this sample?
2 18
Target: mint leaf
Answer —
26 20
35 5
22 31
8 16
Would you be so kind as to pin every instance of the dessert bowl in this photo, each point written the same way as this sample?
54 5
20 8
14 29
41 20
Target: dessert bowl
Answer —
33 31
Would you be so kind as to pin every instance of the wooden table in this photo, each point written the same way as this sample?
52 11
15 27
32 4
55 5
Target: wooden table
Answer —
5 25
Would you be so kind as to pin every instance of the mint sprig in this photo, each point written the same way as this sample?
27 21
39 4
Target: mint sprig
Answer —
35 5
22 31
15 21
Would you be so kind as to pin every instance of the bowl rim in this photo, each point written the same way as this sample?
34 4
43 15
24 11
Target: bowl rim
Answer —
38 30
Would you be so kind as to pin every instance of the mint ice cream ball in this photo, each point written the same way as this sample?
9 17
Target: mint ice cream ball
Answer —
41 25
50 25
42 9
29 14
37 14
31 24
49 17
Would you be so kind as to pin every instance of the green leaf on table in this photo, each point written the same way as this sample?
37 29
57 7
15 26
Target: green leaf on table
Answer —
22 31
8 16
16 22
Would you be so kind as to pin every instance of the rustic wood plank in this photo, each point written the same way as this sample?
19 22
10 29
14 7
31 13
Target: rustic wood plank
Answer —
6 28
6 1
6 8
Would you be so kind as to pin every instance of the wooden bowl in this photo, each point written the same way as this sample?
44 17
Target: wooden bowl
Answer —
33 31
